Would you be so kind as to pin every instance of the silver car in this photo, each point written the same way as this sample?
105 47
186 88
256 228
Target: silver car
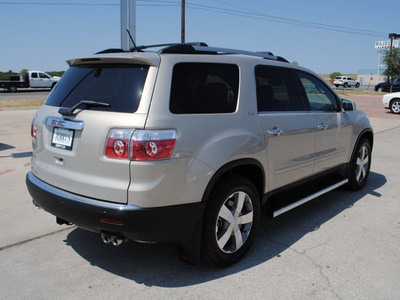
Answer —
184 146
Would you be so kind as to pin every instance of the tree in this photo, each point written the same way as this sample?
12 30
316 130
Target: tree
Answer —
391 58
295 63
333 75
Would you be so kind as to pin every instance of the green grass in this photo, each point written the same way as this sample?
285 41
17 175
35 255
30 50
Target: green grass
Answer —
21 103
39 102
357 92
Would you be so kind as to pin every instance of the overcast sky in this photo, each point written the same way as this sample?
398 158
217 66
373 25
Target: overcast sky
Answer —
325 36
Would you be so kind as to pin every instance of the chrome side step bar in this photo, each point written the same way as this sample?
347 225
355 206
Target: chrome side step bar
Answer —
308 198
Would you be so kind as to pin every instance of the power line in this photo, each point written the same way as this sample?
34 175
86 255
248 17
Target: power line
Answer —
244 13
156 3
290 21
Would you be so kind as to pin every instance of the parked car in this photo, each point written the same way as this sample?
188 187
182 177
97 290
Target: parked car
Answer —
392 101
31 79
345 81
186 144
385 86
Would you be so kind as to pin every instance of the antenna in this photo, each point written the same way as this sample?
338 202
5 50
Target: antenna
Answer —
133 42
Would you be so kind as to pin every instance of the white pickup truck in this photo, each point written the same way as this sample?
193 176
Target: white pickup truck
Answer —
31 79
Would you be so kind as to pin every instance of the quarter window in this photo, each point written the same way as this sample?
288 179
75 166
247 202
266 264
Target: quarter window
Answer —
204 88
276 90
319 97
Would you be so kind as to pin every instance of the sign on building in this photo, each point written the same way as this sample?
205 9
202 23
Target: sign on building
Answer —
386 44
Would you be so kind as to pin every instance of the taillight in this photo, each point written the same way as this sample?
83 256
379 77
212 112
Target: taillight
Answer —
140 144
117 145
153 144
33 128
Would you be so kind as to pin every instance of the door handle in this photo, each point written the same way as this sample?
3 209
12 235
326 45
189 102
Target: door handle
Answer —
275 131
322 126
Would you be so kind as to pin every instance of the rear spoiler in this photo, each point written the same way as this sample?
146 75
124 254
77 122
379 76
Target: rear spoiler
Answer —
118 58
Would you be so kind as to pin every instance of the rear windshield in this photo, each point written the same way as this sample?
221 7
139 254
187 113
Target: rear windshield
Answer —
121 86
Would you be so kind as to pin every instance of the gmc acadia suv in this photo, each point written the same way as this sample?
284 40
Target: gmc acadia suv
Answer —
186 144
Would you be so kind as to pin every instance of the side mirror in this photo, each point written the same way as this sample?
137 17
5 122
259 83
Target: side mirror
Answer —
348 105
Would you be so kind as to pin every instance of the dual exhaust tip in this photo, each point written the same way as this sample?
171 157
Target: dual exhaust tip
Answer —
115 239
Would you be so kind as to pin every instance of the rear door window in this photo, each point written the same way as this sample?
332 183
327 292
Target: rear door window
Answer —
276 90
121 86
204 88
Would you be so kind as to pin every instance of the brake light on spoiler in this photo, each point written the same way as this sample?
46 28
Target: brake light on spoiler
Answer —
140 145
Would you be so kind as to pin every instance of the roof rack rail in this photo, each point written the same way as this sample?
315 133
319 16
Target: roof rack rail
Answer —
196 48
142 47
170 45
201 49
111 50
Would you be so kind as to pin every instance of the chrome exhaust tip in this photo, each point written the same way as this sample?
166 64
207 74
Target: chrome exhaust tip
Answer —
106 238
117 240
35 204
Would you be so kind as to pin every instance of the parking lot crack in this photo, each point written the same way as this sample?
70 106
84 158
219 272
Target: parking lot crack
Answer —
35 238
316 264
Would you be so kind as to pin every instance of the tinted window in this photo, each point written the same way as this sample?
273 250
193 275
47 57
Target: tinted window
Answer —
42 75
120 86
34 75
202 88
318 94
276 90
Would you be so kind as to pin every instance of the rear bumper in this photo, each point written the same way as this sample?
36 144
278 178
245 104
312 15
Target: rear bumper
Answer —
172 224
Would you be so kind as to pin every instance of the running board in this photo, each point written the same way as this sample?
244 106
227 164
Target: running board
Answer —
308 198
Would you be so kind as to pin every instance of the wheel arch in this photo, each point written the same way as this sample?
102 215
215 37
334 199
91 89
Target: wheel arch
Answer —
366 133
248 168
394 99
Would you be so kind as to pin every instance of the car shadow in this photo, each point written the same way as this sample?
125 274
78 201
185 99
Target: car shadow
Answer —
159 265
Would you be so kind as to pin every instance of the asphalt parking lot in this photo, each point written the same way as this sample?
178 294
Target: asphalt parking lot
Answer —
342 245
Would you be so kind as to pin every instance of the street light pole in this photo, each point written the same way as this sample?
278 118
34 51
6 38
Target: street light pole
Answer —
183 22
128 22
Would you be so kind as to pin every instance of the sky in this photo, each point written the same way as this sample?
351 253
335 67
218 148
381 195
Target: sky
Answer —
324 36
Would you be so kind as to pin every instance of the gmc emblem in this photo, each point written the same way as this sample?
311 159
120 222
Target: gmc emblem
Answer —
57 123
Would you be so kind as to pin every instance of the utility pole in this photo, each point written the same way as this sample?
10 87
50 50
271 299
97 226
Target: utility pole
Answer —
183 22
128 22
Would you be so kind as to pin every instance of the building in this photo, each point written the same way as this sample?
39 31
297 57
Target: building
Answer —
370 76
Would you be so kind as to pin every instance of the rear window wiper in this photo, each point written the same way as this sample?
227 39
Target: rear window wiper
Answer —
88 103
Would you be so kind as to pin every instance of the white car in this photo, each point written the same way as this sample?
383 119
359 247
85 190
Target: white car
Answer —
392 102
346 81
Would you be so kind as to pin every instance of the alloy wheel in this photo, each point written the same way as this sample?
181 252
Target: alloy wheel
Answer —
234 222
362 164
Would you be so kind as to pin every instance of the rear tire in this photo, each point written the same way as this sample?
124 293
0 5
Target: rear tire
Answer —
345 84
12 89
231 220
357 85
360 165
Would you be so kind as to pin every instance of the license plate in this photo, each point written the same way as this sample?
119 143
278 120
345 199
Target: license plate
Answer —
62 138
